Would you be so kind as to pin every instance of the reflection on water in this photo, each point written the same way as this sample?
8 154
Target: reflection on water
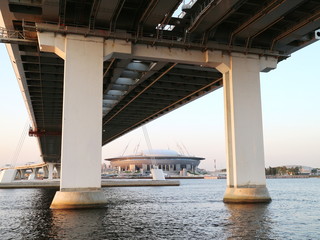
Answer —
192 211
24 213
78 224
249 220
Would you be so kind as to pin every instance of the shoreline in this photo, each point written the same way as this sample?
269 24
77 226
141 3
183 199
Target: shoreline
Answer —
104 183
291 176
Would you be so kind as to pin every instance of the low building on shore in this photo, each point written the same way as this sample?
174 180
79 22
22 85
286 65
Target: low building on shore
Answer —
168 160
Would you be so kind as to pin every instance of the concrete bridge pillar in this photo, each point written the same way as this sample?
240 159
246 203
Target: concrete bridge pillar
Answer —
80 182
58 168
48 171
18 175
45 171
34 174
243 120
23 173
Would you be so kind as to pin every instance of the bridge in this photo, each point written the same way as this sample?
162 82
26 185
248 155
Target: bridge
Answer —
123 63
9 173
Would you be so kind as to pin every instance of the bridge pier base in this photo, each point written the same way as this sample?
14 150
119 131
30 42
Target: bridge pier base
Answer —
74 199
80 181
243 120
253 194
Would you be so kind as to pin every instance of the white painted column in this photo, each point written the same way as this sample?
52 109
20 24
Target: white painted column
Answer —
80 180
82 113
243 121
58 168
50 171
34 174
45 171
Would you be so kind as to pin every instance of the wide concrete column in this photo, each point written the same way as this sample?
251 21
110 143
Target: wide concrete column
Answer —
243 121
80 181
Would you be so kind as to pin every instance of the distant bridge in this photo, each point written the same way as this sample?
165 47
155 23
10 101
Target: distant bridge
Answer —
19 172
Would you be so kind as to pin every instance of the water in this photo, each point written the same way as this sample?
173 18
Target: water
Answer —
193 210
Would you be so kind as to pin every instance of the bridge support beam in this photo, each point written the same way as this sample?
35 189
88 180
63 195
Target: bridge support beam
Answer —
243 120
80 182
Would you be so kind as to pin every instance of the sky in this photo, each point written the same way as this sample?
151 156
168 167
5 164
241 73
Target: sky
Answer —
290 108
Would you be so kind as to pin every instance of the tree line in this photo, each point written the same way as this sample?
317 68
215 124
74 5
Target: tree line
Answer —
283 170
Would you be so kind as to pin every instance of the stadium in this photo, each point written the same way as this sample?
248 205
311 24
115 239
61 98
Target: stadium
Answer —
167 160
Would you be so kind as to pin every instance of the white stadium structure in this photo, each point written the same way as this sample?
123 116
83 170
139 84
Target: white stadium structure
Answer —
167 160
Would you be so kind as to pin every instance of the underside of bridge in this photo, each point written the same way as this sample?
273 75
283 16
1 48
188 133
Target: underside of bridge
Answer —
136 91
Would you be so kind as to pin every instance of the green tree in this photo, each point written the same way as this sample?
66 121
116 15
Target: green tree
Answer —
297 170
314 171
282 170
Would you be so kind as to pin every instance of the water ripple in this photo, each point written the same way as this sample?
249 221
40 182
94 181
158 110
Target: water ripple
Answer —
193 210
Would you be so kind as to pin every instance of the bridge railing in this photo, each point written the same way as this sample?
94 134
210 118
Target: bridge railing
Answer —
5 33
17 36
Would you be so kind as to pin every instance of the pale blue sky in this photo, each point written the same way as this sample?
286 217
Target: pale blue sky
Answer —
291 118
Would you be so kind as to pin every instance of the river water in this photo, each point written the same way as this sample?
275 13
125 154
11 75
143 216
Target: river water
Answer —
193 210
